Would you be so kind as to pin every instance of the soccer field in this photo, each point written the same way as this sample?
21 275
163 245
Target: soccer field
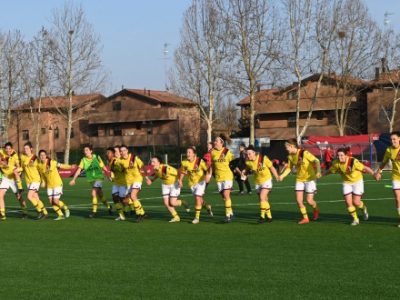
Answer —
82 258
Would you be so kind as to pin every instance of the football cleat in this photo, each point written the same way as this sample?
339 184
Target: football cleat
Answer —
2 217
175 219
303 221
67 213
228 218
316 214
365 214
59 218
261 220
24 216
120 218
92 215
355 223
195 221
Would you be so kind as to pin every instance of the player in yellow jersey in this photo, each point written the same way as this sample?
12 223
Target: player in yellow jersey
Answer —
9 167
308 170
199 174
94 167
392 154
131 165
48 169
170 187
351 170
220 159
29 163
262 168
119 190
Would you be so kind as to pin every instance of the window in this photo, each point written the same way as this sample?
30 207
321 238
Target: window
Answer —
43 130
138 125
117 131
320 115
25 135
292 95
72 133
385 113
56 133
107 131
150 130
292 122
117 106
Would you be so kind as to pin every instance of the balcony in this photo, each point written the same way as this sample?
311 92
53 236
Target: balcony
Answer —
136 115
135 140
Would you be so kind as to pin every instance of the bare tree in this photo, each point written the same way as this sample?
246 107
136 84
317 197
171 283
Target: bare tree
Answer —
227 115
354 52
256 36
312 28
389 80
200 58
11 61
75 59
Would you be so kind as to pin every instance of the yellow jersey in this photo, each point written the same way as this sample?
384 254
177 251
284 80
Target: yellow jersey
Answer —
304 163
118 174
131 168
220 160
29 166
167 174
195 170
49 172
260 166
351 170
10 164
393 154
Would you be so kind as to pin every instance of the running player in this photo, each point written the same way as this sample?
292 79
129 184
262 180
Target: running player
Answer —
170 187
119 189
94 167
262 167
198 173
131 165
48 169
308 170
351 171
392 154
29 164
9 165
220 158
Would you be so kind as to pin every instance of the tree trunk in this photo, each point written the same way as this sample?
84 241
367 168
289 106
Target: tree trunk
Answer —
252 113
210 117
69 127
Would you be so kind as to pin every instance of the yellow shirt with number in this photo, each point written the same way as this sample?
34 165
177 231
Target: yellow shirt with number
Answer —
131 168
260 168
167 174
393 154
351 171
11 163
220 164
195 170
304 163
29 166
49 172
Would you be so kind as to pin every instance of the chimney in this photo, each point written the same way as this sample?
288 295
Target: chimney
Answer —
122 87
144 91
148 92
376 73
258 87
384 65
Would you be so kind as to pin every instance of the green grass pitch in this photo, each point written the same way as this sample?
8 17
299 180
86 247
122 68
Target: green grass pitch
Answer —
81 258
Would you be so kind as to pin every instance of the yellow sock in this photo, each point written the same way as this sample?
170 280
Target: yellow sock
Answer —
228 207
104 201
57 210
268 210
197 211
398 211
361 206
263 208
3 212
94 205
174 213
303 211
35 203
353 212
62 205
118 207
41 207
138 207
